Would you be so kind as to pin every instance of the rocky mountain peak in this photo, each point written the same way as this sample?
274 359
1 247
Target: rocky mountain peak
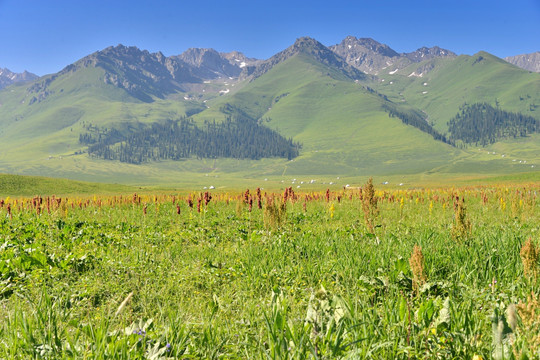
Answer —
306 42
141 73
197 56
359 45
210 63
530 62
311 47
425 53
238 58
8 77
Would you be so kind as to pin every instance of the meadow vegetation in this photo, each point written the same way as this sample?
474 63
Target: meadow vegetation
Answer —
449 273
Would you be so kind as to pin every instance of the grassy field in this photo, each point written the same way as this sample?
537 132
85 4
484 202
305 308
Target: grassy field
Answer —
17 185
435 273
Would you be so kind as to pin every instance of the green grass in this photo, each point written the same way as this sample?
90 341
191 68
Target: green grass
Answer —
18 185
231 283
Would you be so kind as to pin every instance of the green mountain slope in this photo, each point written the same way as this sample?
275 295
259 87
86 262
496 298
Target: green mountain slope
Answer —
440 86
342 126
52 126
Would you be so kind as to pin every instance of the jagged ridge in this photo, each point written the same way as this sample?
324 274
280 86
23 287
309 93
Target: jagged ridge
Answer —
372 57
8 77
529 62
311 47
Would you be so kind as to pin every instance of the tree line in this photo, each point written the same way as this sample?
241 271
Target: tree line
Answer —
239 138
414 119
483 124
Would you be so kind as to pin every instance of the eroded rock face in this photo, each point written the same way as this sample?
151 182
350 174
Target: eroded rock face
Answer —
529 62
144 74
210 63
373 57
139 72
241 60
8 77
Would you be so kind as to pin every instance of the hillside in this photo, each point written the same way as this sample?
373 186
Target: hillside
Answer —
440 86
345 123
341 125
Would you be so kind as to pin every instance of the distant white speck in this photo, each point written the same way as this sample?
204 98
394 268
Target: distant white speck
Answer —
393 72
242 64
211 187
350 46
425 84
424 92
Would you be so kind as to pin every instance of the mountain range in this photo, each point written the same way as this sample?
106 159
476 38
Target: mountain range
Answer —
351 109
8 77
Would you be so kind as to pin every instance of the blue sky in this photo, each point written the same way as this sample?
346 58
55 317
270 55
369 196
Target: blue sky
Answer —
43 36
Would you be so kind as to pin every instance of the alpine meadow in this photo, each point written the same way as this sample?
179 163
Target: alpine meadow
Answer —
328 202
